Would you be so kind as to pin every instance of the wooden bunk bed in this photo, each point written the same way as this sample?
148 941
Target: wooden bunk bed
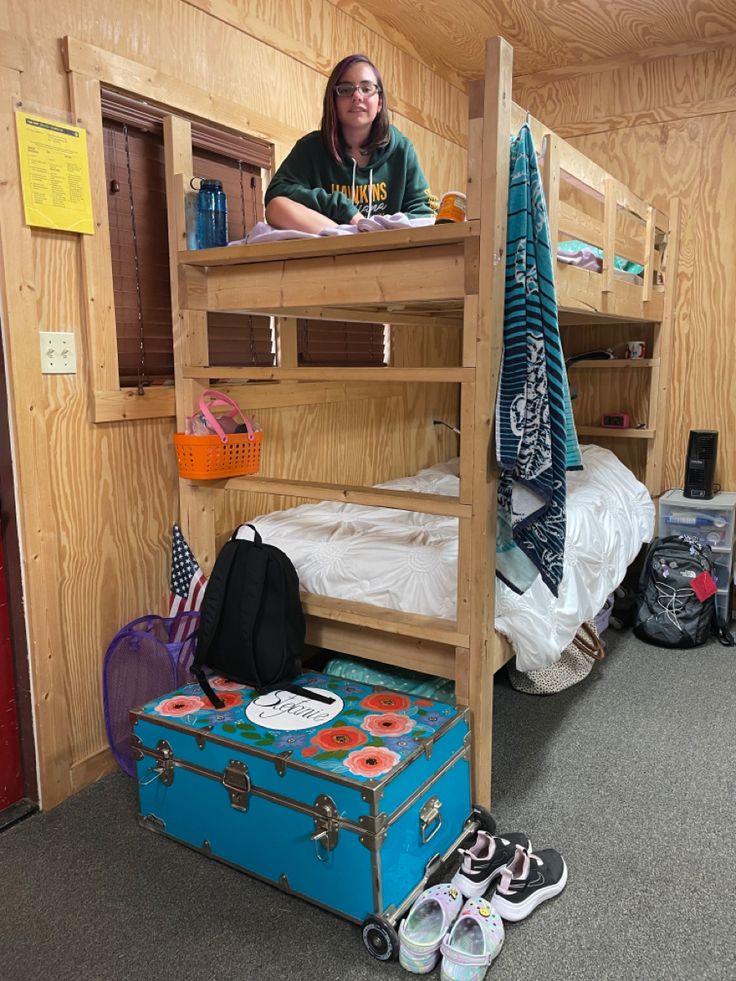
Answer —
449 274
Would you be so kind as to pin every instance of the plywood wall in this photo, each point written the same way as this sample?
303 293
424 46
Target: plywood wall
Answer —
667 127
97 501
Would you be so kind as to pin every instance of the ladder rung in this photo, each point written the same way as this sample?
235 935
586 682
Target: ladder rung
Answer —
371 496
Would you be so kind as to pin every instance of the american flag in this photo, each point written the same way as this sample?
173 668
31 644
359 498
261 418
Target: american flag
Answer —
187 582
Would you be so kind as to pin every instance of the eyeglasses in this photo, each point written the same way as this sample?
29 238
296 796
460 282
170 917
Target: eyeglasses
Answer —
348 89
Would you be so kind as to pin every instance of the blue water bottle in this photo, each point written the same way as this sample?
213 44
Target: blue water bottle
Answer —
211 215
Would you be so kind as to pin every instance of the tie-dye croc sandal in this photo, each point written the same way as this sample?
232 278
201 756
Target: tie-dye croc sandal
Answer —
424 929
475 939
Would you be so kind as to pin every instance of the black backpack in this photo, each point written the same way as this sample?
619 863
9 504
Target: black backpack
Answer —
251 627
669 613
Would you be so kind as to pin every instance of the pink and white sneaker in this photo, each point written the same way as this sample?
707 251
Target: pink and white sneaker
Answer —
527 881
485 860
474 941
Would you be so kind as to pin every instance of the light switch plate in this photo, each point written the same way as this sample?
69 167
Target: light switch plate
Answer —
58 352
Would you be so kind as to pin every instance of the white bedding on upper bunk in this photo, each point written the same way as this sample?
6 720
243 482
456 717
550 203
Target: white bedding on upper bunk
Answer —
408 561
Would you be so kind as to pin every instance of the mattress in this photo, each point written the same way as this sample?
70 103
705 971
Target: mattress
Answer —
407 561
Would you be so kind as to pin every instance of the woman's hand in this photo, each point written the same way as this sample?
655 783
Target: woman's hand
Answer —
282 212
356 218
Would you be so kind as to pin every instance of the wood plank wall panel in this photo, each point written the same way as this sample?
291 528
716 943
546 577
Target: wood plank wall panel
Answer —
688 154
114 489
317 36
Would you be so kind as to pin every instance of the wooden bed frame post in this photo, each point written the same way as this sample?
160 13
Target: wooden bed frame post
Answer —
196 504
488 177
662 353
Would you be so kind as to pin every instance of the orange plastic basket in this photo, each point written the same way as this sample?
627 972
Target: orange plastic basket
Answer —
208 458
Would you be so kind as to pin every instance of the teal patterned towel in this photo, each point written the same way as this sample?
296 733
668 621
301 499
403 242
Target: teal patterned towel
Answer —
536 441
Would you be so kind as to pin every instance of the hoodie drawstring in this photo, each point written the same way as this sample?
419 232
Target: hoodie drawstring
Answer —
370 187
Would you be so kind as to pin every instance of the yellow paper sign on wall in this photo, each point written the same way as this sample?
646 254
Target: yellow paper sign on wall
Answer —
54 170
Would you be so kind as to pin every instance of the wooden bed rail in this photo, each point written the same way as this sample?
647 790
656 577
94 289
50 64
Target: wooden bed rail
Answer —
628 228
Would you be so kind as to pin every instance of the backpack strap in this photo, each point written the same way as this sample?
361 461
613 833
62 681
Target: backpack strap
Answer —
721 631
304 692
211 610
210 617
251 603
206 687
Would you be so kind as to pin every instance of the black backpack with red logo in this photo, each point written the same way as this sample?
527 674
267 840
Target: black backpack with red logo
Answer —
669 612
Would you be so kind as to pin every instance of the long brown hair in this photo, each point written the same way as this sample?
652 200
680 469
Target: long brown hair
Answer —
379 135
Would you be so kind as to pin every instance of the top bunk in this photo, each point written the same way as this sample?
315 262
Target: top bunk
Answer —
418 274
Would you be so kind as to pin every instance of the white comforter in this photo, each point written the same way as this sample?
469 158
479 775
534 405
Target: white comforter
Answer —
408 561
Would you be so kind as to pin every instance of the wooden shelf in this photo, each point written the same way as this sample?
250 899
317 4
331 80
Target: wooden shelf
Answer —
624 363
616 433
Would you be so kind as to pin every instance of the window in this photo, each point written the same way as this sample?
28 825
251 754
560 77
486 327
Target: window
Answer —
134 166
321 342
136 204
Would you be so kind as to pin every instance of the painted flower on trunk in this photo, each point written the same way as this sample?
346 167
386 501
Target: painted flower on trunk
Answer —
340 737
230 698
386 701
371 761
223 684
388 724
180 705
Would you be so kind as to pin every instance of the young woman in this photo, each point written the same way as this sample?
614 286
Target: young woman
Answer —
357 165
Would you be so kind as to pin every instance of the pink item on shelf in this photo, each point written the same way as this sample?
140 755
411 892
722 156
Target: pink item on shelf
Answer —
205 423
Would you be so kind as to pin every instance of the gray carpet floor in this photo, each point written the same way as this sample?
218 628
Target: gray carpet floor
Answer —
629 774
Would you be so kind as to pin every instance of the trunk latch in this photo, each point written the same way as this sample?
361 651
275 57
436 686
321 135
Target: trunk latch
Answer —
236 781
164 766
326 826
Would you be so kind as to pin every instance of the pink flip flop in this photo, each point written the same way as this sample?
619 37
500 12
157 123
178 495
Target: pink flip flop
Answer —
423 930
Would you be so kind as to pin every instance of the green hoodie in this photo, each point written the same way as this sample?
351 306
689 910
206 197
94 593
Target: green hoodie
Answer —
393 180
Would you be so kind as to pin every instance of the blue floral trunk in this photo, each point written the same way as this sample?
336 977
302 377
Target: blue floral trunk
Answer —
350 803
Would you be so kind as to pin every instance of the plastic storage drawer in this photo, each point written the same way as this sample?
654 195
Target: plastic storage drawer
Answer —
712 527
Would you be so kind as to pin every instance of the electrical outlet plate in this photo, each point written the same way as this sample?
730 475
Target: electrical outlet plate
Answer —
58 352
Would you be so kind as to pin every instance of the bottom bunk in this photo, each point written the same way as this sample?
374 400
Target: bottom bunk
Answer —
407 561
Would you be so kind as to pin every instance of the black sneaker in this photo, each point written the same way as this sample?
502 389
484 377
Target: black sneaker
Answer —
485 860
527 881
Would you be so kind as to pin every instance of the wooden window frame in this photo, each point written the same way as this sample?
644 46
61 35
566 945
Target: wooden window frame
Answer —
214 153
89 69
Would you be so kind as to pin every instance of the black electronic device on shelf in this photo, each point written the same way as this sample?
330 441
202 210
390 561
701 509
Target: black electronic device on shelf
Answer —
700 465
